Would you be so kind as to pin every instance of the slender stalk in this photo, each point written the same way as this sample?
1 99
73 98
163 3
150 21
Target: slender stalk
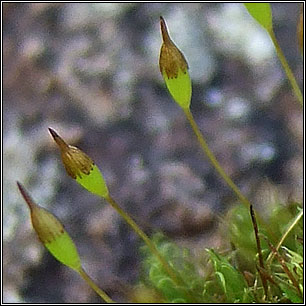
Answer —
92 284
213 159
289 229
178 281
287 69
261 262
285 268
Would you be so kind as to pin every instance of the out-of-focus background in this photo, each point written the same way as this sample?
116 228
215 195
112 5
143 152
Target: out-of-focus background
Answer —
90 71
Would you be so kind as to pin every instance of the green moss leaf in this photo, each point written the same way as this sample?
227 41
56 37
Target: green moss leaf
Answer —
168 288
222 282
290 293
181 261
231 280
261 12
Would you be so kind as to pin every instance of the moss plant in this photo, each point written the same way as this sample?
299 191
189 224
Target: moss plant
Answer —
82 168
181 260
174 69
263 257
235 276
261 12
55 238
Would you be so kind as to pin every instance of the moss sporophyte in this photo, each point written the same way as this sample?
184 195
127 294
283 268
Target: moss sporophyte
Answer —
52 234
81 167
174 69
262 13
174 277
56 239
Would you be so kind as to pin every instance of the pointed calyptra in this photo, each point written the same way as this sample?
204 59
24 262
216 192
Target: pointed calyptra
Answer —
52 234
81 167
174 69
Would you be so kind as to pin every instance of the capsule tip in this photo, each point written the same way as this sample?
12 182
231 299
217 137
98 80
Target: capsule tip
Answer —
53 133
25 195
60 142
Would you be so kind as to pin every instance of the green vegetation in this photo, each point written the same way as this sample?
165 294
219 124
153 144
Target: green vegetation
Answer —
235 276
55 238
262 259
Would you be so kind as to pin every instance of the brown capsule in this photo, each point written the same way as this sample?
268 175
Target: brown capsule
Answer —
75 161
171 58
47 226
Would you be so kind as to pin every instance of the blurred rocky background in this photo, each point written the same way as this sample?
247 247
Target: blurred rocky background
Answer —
90 71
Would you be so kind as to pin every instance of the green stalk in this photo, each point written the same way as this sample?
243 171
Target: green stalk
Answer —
92 284
171 272
289 229
213 159
286 67
81 167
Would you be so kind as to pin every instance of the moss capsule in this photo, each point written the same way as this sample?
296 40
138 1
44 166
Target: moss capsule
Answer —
174 69
52 234
81 167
